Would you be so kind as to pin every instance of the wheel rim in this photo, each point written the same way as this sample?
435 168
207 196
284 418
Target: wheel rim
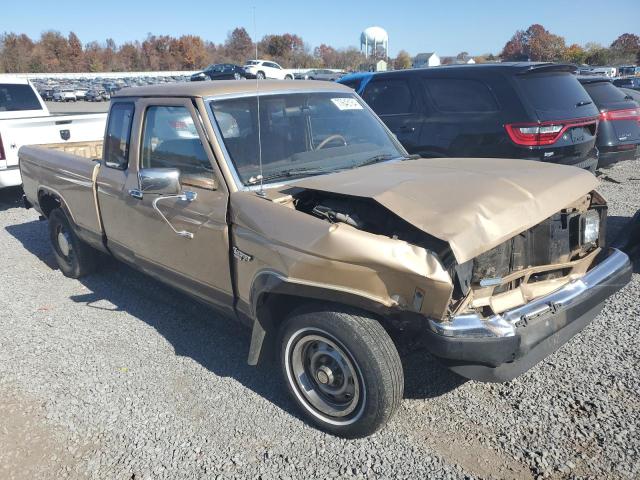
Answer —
325 377
236 76
63 240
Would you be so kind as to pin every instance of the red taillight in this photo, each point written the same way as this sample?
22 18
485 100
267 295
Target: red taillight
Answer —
545 133
625 114
2 157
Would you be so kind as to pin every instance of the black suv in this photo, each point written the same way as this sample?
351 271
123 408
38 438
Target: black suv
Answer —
535 111
619 130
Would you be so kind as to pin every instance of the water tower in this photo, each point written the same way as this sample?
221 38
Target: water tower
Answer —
372 40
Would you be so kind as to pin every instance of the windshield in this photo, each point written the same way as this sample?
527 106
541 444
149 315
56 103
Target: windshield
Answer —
252 62
302 133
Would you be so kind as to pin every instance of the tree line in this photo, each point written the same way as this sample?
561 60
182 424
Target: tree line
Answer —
536 43
54 52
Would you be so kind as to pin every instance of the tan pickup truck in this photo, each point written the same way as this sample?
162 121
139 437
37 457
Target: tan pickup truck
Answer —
297 212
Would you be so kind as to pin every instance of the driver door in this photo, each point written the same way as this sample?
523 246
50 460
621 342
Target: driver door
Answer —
171 136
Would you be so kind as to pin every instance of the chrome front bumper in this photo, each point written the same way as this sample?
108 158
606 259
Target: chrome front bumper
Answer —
503 325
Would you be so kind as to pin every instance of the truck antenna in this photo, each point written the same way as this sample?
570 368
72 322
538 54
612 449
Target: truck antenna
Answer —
260 176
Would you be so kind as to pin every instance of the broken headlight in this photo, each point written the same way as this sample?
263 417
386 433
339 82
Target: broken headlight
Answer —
590 224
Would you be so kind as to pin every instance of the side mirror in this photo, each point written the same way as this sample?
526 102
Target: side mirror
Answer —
160 181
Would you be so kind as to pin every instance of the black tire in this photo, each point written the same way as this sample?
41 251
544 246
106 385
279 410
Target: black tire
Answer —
75 258
342 369
260 76
288 77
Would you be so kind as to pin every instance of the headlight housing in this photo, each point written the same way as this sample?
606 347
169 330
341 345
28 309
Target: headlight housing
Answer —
590 227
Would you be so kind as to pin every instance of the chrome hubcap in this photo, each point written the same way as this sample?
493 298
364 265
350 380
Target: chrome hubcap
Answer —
64 243
325 376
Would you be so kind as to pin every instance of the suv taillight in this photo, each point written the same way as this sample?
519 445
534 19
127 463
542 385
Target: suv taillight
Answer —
545 133
2 157
625 114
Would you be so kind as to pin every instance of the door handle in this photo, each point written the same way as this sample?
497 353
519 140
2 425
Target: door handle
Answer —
407 128
136 194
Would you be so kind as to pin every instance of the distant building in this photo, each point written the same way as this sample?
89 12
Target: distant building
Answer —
457 61
379 66
430 59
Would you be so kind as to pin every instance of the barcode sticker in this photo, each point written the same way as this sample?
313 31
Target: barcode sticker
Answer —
346 103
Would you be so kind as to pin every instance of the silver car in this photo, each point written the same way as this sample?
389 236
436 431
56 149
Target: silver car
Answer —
321 74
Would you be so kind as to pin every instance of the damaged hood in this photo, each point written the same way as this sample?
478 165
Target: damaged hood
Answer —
474 204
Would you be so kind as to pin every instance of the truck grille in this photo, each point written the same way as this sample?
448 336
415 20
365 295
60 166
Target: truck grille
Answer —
556 240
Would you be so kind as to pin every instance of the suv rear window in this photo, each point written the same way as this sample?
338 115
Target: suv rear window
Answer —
17 97
455 95
556 95
605 92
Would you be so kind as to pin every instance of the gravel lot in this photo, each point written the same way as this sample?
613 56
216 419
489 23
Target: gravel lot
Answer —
119 377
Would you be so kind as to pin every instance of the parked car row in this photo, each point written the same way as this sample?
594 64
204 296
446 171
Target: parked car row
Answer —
94 89
261 69
534 111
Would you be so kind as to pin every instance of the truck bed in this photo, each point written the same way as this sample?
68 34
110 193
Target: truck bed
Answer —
64 173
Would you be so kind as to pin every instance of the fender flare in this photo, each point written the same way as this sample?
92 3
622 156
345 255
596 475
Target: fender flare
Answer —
272 282
43 190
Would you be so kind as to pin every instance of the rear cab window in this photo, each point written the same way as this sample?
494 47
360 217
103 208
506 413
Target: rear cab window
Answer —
555 95
17 97
116 147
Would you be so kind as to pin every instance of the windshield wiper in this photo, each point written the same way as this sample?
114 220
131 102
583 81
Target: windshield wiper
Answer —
292 172
377 159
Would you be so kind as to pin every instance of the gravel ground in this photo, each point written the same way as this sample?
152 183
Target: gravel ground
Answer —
118 377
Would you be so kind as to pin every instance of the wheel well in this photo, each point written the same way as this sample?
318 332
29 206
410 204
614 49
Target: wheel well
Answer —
48 202
288 76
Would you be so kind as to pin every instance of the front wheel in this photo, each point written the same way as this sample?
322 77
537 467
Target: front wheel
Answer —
342 369
260 75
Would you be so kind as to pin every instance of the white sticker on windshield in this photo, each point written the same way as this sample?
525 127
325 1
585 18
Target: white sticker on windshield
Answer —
346 103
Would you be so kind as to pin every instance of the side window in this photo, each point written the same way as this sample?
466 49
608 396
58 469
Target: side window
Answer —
454 95
389 97
116 148
170 140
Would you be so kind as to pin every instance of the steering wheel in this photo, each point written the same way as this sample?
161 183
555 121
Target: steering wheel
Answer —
330 139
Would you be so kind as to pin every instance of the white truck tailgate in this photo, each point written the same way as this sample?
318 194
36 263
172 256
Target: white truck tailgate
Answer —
15 133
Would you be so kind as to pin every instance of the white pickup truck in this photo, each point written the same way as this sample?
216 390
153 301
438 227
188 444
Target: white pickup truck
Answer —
25 120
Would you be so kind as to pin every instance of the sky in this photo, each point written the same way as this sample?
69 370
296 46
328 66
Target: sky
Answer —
417 26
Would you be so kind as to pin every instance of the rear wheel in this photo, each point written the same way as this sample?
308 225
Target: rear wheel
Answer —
75 258
260 75
342 369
